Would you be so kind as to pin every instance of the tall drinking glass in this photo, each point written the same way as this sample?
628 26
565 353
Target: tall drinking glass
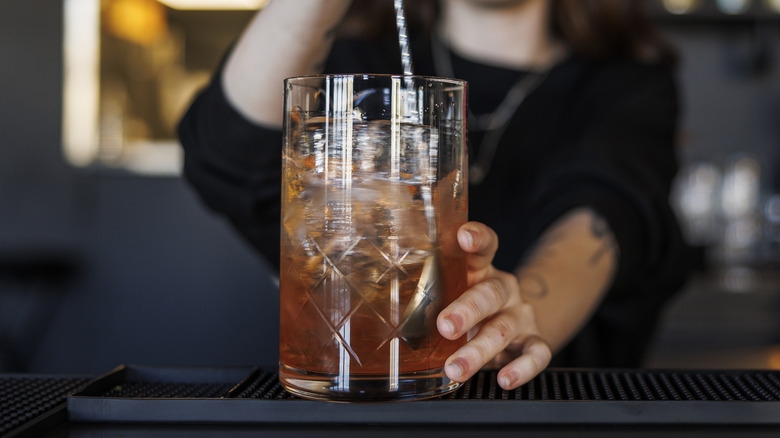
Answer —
373 191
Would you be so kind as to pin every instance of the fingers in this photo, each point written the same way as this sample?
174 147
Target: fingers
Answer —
505 326
480 241
493 337
535 356
482 300
509 334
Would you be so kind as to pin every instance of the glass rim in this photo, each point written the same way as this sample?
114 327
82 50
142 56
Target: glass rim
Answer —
445 80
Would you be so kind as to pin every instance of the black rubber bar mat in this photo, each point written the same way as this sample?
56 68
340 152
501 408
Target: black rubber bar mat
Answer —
27 402
556 396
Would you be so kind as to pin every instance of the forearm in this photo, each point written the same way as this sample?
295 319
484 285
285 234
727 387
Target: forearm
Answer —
287 38
568 274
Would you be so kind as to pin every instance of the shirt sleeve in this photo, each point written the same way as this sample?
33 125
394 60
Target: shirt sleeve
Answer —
622 168
621 164
235 167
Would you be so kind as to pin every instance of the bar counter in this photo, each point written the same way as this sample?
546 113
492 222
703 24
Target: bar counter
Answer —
160 401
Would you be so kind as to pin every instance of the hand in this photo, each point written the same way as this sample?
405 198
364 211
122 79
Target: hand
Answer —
286 38
501 324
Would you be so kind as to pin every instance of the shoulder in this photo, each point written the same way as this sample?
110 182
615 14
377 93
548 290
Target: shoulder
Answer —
623 78
592 92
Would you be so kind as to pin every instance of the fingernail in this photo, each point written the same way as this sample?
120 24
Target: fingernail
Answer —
504 382
454 370
468 235
448 328
470 238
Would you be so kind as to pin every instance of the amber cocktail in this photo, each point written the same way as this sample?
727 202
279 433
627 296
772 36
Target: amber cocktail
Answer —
373 191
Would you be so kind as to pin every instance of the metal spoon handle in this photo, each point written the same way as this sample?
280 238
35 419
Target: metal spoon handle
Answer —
403 37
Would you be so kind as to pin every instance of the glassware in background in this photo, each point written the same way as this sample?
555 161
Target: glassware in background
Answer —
695 198
771 228
721 208
373 191
740 199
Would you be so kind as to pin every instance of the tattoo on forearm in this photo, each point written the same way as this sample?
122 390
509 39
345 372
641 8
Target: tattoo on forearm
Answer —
601 231
533 286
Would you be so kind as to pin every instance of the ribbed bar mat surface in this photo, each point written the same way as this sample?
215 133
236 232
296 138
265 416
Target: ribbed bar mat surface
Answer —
594 385
24 399
559 396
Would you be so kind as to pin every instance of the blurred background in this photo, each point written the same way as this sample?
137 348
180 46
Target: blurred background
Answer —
107 257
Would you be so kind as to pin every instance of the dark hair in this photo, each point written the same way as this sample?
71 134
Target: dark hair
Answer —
604 28
592 28
376 18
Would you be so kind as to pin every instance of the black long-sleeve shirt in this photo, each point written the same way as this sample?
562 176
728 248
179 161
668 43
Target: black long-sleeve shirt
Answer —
595 134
